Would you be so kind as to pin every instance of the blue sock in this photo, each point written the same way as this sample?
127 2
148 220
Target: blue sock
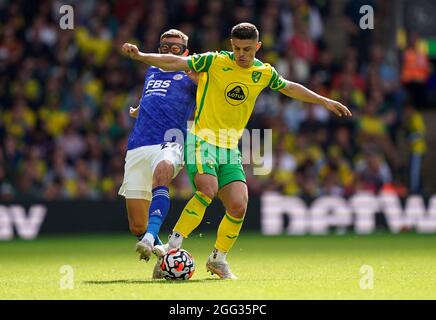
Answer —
159 207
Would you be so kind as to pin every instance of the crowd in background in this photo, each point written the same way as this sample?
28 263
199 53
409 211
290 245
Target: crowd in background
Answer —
65 95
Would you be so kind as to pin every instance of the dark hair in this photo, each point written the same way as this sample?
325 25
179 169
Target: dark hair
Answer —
245 30
174 33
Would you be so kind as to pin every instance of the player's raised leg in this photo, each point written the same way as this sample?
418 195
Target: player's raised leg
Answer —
193 213
136 188
235 198
160 201
167 163
137 212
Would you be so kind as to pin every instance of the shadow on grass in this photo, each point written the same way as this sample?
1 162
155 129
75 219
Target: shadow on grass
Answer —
127 281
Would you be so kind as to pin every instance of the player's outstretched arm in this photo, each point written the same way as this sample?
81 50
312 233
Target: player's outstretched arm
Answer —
297 91
164 61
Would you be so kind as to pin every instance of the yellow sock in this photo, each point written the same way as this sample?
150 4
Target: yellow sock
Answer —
228 232
192 214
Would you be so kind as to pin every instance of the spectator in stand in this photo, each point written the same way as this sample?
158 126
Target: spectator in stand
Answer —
372 171
415 71
302 44
372 129
416 130
350 71
324 69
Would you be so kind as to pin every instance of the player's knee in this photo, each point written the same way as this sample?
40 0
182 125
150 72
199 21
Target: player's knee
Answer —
208 190
163 174
237 208
207 184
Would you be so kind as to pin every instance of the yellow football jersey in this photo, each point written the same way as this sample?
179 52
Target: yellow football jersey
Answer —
226 95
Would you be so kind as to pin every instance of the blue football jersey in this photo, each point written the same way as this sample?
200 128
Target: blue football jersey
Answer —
168 100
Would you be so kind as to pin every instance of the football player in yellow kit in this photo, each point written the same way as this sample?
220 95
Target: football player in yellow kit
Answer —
228 86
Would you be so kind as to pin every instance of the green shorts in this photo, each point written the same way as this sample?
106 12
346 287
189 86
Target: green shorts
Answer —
203 157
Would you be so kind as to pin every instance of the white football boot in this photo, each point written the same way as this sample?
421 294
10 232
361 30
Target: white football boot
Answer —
144 248
157 271
160 250
219 266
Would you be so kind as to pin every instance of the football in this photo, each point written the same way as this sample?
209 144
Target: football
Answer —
177 264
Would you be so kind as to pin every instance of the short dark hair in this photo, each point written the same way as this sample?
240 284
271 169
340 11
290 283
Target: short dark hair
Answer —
174 33
245 30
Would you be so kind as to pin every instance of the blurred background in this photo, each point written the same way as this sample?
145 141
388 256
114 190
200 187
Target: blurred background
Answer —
65 94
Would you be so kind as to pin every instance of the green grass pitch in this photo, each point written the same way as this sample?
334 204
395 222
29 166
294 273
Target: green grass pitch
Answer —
282 267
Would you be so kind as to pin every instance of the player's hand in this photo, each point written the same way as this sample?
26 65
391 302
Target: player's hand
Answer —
192 75
133 112
337 108
131 50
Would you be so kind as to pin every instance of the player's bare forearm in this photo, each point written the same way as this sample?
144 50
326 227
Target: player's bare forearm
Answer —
163 61
297 91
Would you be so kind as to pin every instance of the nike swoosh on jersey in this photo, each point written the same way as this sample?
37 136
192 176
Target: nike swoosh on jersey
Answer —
227 69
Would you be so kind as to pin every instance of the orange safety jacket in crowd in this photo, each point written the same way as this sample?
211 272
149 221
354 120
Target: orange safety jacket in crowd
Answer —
415 66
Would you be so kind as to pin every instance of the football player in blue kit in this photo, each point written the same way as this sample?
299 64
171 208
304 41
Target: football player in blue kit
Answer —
155 146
